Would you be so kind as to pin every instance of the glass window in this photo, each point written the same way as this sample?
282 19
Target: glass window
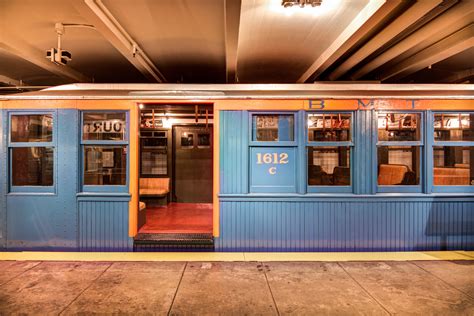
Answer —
187 139
329 166
273 127
31 128
105 165
453 165
398 126
398 165
454 127
204 140
103 126
32 166
329 127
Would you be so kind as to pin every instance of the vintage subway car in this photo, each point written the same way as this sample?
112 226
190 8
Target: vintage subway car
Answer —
310 167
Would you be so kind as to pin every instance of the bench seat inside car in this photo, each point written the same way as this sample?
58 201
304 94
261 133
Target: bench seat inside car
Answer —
451 176
154 187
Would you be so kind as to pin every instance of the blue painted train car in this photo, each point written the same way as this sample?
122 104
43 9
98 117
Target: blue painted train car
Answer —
329 167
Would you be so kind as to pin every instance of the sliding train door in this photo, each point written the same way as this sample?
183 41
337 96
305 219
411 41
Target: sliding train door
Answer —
192 181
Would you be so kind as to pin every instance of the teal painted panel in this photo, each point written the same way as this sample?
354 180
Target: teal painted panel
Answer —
103 226
233 151
3 180
48 220
364 164
273 169
355 225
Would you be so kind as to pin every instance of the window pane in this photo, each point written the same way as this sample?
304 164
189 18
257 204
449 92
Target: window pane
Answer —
398 165
329 166
273 128
32 166
453 165
399 126
31 128
204 140
105 165
329 127
187 139
454 127
103 126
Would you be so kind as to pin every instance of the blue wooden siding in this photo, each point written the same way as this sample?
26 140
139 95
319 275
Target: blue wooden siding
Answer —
356 225
234 146
357 221
103 226
363 147
3 181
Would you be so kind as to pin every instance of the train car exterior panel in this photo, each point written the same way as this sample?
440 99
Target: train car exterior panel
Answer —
233 124
263 197
46 220
292 224
103 224
3 181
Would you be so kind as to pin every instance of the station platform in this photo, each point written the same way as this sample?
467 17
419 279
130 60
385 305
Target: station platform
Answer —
238 256
428 283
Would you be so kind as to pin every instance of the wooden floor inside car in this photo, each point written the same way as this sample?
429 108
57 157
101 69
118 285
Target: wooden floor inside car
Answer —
179 218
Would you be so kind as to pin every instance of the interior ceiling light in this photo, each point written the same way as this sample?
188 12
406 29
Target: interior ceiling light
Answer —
301 3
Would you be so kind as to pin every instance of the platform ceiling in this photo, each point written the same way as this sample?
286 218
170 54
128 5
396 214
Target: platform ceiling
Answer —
237 41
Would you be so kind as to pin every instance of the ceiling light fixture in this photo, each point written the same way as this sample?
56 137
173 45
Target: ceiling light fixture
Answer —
58 55
301 3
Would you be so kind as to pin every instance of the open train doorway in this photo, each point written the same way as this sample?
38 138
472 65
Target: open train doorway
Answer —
176 180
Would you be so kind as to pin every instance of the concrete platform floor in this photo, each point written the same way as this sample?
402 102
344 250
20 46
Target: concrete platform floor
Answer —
237 288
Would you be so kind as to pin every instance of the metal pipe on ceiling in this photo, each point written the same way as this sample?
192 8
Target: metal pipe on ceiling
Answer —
101 11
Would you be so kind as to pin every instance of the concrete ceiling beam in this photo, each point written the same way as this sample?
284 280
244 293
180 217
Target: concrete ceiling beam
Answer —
447 47
458 77
232 10
372 14
15 46
10 81
97 14
405 20
455 19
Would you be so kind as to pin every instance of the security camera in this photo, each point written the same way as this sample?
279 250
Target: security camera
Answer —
58 56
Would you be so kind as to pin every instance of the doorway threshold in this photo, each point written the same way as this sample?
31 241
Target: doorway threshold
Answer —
144 242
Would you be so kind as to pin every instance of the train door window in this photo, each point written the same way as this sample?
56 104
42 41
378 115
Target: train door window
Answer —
204 140
399 152
329 151
31 152
453 152
104 145
187 139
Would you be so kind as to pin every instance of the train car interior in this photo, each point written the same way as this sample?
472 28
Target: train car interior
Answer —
175 172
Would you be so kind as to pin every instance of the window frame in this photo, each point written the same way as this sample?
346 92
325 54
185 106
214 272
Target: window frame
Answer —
104 143
350 144
433 143
419 143
10 145
282 144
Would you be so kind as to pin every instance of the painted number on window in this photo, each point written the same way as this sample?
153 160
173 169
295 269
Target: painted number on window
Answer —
272 158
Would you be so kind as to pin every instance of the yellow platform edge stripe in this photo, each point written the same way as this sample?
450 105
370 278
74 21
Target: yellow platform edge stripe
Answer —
237 256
